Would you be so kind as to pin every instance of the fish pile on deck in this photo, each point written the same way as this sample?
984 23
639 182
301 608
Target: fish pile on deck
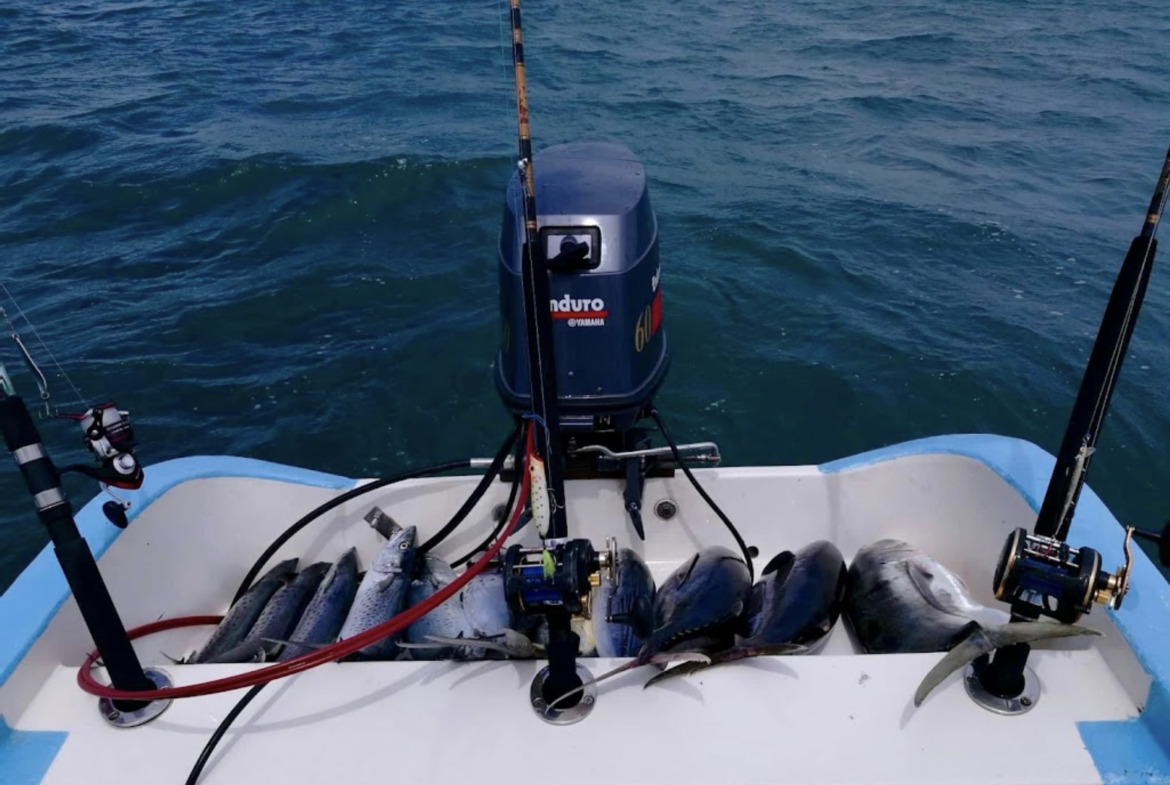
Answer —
895 599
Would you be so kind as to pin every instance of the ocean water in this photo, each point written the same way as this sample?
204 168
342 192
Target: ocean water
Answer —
267 229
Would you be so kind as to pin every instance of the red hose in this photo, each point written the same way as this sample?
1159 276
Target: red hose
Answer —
329 653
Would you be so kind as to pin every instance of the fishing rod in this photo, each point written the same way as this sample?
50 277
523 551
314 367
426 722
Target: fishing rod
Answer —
1039 573
1117 324
537 312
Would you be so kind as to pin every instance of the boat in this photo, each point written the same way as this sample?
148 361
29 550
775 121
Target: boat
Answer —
163 555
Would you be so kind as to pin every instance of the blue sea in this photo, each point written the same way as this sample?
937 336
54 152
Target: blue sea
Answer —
268 228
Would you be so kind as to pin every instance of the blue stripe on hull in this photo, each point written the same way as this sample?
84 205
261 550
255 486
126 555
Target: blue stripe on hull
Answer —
25 756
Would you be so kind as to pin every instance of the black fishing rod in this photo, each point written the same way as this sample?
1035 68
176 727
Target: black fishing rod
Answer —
1080 438
1039 574
537 314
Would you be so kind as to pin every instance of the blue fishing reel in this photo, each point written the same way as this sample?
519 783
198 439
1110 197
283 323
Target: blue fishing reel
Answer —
555 578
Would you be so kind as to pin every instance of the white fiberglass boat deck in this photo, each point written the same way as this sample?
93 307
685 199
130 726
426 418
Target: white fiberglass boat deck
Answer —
838 716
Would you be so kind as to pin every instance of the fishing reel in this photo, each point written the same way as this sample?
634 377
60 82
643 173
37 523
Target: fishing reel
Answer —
556 578
1034 570
110 437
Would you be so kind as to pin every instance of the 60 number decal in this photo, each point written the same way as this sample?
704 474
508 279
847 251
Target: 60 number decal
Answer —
643 330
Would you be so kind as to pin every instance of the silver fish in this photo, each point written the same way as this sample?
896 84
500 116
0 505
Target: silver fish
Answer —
478 614
382 595
447 621
623 607
280 615
242 616
901 600
326 611
486 605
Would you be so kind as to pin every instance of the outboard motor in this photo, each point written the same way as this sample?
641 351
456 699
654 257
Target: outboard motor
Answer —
610 347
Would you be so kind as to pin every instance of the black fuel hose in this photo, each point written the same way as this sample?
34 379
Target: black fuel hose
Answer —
485 482
354 493
747 552
213 742
483 546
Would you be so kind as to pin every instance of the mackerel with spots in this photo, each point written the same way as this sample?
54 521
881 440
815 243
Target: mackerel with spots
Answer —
280 615
326 611
242 616
382 594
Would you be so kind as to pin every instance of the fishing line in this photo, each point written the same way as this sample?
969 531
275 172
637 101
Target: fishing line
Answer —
41 341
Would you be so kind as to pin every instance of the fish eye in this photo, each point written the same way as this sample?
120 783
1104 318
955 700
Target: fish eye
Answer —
403 545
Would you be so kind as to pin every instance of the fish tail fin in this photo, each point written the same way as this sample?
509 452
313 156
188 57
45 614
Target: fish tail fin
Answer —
984 640
682 669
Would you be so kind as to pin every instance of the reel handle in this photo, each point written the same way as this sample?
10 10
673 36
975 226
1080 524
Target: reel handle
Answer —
1163 541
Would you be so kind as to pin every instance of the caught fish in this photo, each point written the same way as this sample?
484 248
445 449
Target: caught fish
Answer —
699 605
901 600
446 621
696 610
485 605
382 595
242 616
278 618
326 611
623 607
471 623
791 610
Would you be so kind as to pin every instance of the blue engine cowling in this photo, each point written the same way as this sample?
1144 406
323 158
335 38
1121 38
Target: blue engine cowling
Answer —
610 347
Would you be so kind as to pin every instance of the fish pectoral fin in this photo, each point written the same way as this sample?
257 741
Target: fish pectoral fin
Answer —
690 568
729 655
174 660
663 658
690 665
515 645
682 669
984 640
781 563
281 642
440 641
